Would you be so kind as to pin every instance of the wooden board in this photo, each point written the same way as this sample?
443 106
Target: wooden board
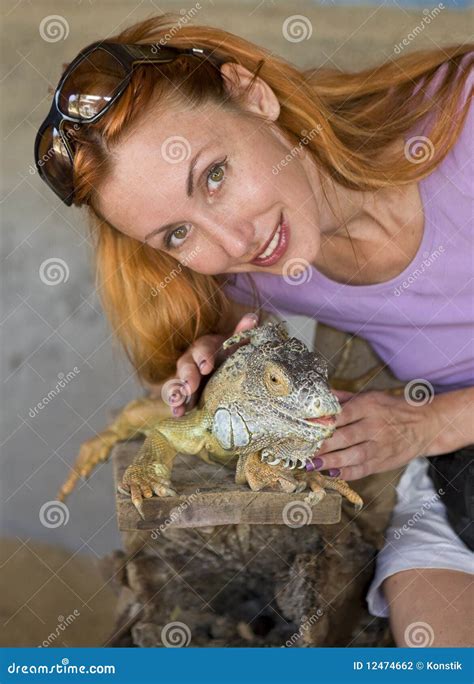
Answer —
208 496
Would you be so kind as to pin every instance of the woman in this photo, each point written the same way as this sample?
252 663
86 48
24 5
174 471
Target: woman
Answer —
223 159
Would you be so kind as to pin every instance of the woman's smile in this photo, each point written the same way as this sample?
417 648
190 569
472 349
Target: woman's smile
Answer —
275 246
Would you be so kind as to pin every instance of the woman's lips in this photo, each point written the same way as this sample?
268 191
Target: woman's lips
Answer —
280 248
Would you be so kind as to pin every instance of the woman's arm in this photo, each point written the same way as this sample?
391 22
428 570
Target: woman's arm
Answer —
453 421
378 432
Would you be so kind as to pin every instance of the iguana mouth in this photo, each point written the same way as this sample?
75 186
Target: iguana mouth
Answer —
324 420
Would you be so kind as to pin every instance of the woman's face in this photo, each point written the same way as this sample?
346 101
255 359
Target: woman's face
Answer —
211 186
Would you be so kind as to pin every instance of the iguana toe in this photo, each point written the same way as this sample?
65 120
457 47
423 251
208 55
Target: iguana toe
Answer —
142 481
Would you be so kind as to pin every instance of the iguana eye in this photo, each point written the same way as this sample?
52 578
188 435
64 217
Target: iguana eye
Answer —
276 382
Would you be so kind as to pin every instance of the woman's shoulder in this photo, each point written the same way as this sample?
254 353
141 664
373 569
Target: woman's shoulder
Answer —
458 165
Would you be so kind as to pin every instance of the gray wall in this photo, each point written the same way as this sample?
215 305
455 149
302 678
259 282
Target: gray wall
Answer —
48 330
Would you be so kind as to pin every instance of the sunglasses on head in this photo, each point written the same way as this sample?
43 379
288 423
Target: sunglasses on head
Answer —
74 104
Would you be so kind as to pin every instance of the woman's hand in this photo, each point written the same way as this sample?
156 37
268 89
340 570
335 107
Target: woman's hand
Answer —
375 432
199 360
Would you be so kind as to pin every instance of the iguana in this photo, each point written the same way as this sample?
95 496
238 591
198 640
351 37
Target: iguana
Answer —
268 405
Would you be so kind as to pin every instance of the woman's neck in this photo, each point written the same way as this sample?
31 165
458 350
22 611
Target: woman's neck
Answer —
367 237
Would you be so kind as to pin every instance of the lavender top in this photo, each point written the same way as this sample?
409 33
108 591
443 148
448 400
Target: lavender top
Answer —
420 323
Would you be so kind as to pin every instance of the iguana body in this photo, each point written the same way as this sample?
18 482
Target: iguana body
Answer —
268 406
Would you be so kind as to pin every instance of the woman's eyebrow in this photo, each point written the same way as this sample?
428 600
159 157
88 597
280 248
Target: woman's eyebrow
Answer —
189 191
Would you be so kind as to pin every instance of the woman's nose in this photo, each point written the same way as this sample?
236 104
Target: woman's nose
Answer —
234 236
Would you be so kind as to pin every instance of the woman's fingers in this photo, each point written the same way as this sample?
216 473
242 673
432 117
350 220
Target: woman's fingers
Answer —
344 437
249 320
199 360
354 455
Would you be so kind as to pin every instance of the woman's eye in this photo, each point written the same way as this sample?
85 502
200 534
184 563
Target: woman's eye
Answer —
179 233
216 176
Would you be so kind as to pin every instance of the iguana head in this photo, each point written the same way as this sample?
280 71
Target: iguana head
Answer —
271 389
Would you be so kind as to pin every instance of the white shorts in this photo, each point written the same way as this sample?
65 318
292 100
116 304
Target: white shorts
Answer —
419 535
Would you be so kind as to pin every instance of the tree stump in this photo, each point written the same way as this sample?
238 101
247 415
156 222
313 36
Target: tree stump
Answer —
220 565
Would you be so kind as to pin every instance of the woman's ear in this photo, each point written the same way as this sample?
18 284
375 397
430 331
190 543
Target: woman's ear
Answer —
260 99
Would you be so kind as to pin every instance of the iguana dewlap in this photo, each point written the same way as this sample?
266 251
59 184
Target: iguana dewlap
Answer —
268 405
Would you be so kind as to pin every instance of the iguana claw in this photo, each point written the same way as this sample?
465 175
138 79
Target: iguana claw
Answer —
144 480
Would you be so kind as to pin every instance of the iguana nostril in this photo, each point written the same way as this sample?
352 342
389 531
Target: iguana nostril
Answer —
317 403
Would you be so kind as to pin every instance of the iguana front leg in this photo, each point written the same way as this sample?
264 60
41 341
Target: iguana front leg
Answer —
250 470
150 471
137 416
318 483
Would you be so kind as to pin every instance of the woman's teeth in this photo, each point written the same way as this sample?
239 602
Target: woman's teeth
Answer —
272 245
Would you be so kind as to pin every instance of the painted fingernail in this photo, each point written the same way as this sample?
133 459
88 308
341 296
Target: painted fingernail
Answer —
310 466
175 411
254 316
334 472
202 364
318 463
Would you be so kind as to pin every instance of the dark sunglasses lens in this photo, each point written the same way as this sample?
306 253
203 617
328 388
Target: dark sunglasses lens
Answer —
91 85
54 162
